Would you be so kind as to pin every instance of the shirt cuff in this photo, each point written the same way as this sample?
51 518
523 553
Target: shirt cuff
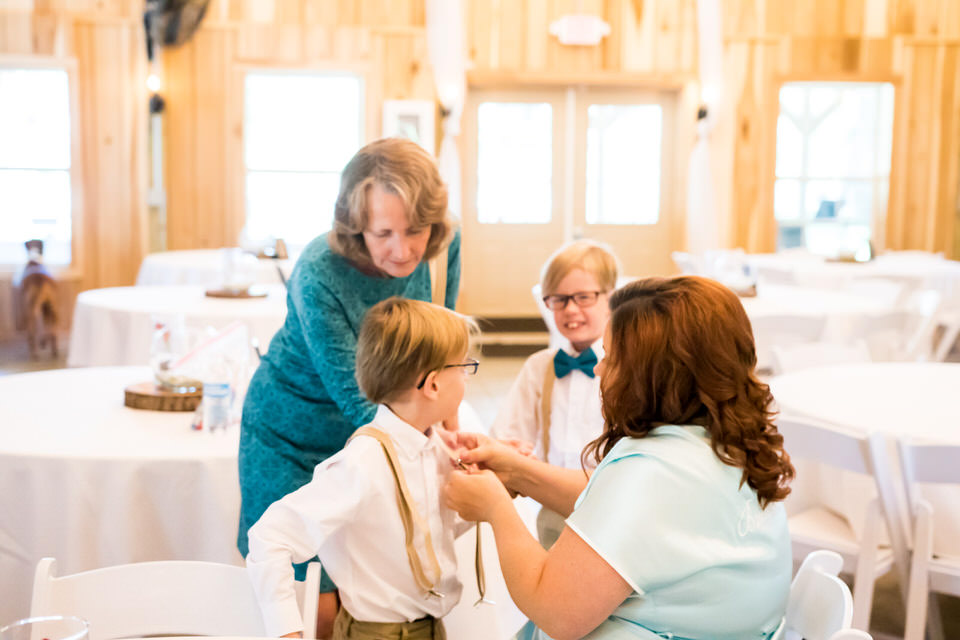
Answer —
282 617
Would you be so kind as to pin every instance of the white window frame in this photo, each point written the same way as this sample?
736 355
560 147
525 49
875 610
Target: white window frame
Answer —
878 214
368 115
68 65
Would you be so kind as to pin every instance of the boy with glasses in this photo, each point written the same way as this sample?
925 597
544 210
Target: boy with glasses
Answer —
555 401
373 512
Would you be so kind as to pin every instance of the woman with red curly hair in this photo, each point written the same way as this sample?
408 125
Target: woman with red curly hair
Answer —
679 532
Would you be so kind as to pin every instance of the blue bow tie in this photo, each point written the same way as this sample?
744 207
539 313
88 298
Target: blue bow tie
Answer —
564 363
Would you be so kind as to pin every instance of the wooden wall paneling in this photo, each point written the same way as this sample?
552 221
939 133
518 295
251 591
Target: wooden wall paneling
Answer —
689 43
406 70
612 45
112 71
180 148
668 27
16 28
317 42
513 30
214 55
639 34
274 43
352 44
948 160
478 16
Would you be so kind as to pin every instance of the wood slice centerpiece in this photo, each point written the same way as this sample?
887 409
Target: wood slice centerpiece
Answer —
153 397
250 292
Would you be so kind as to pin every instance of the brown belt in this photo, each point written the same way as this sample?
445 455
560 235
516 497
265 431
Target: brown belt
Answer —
346 627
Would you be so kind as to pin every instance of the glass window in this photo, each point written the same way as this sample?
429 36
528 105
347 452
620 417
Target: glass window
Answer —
833 164
35 196
300 130
514 163
623 163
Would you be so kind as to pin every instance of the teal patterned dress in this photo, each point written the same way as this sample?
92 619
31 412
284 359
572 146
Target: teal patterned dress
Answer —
303 401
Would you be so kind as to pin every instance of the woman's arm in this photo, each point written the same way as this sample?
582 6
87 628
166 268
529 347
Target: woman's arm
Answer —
331 342
568 591
554 487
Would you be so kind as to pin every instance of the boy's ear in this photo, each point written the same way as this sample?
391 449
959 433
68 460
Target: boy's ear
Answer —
431 388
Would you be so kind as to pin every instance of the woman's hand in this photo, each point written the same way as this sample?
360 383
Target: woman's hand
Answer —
476 496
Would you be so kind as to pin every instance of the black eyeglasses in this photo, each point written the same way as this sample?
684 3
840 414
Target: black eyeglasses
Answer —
557 302
469 368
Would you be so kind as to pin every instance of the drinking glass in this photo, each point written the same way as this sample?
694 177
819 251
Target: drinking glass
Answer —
47 628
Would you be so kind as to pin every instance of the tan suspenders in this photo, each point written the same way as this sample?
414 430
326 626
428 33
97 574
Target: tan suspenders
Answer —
408 514
545 406
412 520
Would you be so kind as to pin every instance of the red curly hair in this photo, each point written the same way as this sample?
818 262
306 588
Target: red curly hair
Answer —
681 352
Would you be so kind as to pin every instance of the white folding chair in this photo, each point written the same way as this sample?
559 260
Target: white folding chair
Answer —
905 333
172 597
929 572
817 354
688 263
771 331
818 527
819 606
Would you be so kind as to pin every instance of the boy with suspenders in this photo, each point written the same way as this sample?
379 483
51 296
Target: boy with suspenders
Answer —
554 403
374 512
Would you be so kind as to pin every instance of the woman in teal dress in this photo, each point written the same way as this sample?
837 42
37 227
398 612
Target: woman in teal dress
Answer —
303 402
679 532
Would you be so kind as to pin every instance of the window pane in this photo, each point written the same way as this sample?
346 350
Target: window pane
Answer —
34 119
36 204
843 143
300 122
786 200
623 164
514 163
838 200
294 206
789 147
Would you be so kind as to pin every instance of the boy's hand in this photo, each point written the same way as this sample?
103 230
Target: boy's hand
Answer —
475 496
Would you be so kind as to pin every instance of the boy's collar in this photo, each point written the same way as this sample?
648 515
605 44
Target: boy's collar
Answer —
597 347
410 440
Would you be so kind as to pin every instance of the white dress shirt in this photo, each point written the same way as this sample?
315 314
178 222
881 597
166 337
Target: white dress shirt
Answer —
348 516
575 415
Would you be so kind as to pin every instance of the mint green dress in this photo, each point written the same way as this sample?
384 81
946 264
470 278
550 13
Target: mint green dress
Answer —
303 401
704 561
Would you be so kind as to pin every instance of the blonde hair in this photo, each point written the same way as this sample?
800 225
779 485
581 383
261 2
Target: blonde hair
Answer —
401 340
595 258
404 169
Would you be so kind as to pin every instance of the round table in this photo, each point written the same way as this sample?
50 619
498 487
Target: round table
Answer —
203 267
94 483
114 326
899 399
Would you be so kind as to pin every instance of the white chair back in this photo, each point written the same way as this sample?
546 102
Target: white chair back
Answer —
811 529
176 598
905 333
933 464
817 354
687 263
771 331
820 603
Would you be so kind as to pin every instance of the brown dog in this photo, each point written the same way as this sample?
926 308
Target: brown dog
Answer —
38 301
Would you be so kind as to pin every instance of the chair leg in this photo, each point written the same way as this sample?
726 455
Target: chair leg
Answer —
934 621
918 591
865 576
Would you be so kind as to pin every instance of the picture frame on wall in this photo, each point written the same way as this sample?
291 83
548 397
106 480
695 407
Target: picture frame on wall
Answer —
411 119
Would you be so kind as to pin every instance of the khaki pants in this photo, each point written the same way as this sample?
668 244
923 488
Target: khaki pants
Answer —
345 627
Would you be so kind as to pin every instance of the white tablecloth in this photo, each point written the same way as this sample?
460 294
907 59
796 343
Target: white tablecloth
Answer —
915 400
114 326
202 267
913 268
94 483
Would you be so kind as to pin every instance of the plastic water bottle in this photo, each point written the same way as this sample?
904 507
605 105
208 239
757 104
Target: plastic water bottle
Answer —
216 406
